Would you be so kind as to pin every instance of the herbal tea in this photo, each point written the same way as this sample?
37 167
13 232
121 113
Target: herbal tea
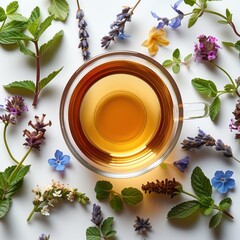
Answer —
120 112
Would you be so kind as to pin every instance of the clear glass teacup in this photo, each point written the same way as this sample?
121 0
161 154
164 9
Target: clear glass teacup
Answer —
121 114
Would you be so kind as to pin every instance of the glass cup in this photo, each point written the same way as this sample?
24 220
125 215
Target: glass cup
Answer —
121 114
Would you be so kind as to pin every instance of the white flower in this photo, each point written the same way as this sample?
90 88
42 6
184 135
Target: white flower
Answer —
45 211
57 193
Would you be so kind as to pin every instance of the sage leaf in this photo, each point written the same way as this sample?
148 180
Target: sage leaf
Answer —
184 209
93 233
59 9
107 227
103 189
5 206
12 7
214 108
200 183
215 220
116 203
50 43
131 196
205 87
25 85
48 79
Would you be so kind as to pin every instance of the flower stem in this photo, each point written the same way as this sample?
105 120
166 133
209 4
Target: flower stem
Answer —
78 4
131 12
236 159
189 194
6 144
32 212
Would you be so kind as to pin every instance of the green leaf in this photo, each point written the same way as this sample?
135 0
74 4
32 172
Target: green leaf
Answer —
184 209
116 203
225 204
20 174
194 17
188 57
17 17
14 26
93 233
167 63
12 7
205 87
237 45
176 68
103 189
215 220
14 188
34 20
48 79
229 16
107 227
214 108
229 87
176 53
10 37
200 183
25 85
131 196
190 2
25 50
3 181
206 202
59 9
228 44
5 206
3 15
43 26
50 43
9 170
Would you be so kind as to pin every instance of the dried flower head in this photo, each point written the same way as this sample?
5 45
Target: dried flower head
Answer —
44 237
207 48
34 139
235 123
167 187
97 216
142 226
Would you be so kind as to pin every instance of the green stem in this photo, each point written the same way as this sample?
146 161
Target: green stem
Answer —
190 194
6 144
32 212
14 172
236 159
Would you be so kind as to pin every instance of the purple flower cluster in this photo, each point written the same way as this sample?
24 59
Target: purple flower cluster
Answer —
97 217
207 48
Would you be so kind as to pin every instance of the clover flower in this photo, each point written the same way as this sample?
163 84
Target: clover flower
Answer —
118 26
34 139
44 237
97 217
223 181
167 187
52 194
207 48
60 160
182 164
157 37
142 226
83 34
174 22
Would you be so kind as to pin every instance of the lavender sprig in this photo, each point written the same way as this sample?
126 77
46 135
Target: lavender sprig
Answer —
118 26
83 34
203 139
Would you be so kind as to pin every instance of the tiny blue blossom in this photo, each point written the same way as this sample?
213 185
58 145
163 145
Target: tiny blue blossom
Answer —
223 181
182 164
176 22
59 161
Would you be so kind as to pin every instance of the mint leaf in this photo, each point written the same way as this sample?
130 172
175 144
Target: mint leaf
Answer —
48 79
23 49
14 26
17 17
214 108
190 2
107 227
10 37
225 204
215 220
43 26
93 233
14 188
20 174
200 183
34 20
184 209
25 85
3 15
116 203
59 9
131 196
103 189
3 181
4 206
205 87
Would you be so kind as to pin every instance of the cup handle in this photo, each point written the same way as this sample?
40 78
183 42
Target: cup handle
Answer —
195 110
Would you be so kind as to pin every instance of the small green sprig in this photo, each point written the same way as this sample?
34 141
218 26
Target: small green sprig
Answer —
202 199
176 61
130 196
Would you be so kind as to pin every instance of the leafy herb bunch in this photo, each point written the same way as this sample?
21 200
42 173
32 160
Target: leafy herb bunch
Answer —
202 199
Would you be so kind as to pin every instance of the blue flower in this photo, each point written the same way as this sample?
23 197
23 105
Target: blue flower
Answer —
59 161
182 164
176 22
123 36
223 181
163 21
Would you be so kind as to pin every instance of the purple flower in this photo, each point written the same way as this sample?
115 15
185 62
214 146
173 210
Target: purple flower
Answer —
163 21
44 237
223 181
207 48
97 217
59 161
182 164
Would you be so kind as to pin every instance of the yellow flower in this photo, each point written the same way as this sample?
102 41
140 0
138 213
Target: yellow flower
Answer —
156 37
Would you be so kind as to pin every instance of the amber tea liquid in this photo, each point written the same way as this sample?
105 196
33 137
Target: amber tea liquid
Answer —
121 112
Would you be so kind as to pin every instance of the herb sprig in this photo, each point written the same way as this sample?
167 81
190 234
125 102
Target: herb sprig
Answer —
130 196
202 198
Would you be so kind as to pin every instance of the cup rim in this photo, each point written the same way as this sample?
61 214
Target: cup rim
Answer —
62 116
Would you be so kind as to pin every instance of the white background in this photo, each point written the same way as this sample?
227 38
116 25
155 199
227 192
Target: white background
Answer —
71 221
